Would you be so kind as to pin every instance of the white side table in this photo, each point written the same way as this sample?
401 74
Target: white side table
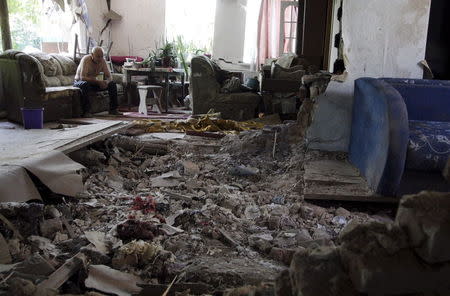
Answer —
155 102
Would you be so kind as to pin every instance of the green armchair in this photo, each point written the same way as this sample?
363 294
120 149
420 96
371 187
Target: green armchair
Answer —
205 89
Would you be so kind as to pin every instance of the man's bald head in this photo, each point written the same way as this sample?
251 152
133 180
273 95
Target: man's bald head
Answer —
97 54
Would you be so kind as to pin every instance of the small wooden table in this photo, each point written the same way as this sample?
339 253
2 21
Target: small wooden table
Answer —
165 72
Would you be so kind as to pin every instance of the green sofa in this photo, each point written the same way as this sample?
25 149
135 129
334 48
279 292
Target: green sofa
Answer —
45 80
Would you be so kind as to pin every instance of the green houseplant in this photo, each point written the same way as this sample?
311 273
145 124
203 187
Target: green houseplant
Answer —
185 51
167 53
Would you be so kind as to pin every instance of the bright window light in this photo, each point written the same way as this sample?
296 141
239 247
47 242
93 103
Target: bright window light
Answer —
251 30
193 20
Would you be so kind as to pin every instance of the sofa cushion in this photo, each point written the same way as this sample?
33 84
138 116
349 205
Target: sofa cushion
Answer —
50 65
57 92
50 69
232 85
429 145
68 66
295 73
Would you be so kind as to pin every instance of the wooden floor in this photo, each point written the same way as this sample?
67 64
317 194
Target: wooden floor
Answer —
337 180
17 144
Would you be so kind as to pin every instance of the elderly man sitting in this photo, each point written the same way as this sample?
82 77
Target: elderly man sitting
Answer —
86 79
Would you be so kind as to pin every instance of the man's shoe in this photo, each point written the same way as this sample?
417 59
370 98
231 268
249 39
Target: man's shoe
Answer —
86 115
114 112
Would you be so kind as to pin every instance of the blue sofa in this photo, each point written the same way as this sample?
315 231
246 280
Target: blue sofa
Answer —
399 125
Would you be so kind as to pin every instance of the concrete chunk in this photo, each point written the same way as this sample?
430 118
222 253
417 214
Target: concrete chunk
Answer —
319 272
381 262
425 217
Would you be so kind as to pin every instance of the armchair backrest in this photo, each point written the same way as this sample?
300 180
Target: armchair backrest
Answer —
203 83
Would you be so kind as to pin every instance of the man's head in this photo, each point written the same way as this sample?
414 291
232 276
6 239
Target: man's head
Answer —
97 54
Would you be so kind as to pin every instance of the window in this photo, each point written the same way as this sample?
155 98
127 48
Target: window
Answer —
55 28
288 26
251 30
193 20
24 20
38 25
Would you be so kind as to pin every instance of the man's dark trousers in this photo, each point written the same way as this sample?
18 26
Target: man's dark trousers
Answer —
87 87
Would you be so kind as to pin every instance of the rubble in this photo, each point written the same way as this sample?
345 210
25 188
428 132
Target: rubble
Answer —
227 220
318 271
425 218
408 256
135 229
135 253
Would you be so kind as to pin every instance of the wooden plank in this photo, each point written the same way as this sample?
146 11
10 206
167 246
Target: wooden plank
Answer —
94 137
32 143
81 121
332 172
343 192
62 274
373 198
337 180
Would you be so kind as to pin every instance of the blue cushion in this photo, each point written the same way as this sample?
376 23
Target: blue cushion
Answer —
429 145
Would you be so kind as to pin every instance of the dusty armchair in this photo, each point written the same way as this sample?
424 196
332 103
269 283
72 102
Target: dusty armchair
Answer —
205 89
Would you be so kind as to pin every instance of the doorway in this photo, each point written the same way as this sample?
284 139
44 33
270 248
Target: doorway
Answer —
438 41
314 29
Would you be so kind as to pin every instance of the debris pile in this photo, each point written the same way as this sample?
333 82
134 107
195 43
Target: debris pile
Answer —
407 257
195 217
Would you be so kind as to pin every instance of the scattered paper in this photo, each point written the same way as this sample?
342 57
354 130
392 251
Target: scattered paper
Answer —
170 179
108 280
171 230
98 239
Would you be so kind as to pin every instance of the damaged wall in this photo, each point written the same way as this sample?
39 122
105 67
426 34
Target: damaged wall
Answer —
142 24
96 10
382 38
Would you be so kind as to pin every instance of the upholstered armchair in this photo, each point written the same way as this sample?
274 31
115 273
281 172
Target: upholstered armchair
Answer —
205 90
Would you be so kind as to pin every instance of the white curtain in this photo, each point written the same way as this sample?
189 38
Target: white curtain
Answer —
269 30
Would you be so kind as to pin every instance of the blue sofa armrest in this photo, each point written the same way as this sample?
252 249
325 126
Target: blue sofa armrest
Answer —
426 100
379 134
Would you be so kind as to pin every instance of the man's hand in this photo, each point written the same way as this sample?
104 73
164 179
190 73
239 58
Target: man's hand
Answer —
103 84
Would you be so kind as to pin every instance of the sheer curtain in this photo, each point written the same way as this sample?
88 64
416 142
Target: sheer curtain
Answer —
269 30
253 8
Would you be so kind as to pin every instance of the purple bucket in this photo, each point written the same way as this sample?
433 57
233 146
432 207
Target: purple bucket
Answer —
33 118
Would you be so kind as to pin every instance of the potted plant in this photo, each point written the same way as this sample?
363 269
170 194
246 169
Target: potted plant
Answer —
167 54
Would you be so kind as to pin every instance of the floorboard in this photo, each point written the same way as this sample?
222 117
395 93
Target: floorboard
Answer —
18 144
337 180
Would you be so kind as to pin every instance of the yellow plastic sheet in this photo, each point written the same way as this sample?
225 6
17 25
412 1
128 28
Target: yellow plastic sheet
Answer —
203 124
